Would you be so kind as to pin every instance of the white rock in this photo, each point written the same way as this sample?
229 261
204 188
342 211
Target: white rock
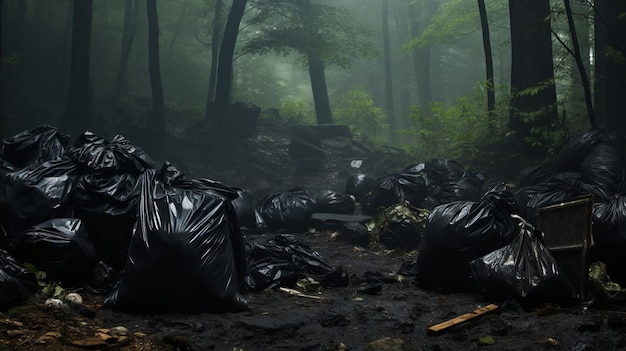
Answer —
53 303
74 297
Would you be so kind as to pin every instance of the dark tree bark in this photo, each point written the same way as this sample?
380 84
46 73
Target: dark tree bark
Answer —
154 68
610 65
215 49
531 68
491 95
581 66
388 79
421 62
320 90
128 36
223 85
77 116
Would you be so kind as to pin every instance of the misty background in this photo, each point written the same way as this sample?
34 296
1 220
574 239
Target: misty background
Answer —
424 76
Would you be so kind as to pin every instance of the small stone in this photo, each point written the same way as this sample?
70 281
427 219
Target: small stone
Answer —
53 303
74 298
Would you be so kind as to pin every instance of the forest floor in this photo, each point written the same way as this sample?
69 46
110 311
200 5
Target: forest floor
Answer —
327 318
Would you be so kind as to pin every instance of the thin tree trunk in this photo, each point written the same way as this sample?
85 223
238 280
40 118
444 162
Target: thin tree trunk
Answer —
128 37
491 95
320 90
579 63
610 71
225 66
215 49
77 116
388 79
154 68
421 63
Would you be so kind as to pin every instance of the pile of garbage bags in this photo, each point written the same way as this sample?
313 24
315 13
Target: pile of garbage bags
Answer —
102 213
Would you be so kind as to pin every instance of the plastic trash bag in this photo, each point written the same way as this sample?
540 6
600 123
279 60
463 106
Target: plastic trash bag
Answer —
459 232
60 247
524 269
107 203
283 260
289 210
31 196
395 189
95 154
359 185
186 253
399 226
609 221
16 282
247 215
330 201
35 146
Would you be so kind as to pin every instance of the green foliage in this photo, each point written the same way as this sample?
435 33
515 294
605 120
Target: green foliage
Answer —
463 131
329 33
455 19
298 112
357 110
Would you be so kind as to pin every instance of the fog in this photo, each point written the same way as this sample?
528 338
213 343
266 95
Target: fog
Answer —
423 94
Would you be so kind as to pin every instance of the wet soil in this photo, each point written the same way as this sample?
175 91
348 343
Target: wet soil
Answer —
322 318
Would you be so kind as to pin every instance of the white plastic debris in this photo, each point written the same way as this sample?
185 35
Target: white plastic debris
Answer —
356 163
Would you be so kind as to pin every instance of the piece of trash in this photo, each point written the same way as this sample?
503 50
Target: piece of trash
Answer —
602 284
356 163
486 340
298 293
438 328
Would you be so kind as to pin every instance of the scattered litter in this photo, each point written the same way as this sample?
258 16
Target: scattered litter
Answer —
441 327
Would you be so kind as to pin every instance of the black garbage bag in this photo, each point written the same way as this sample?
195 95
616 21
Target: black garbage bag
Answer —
103 279
330 201
107 203
34 146
31 196
395 189
60 247
400 226
469 187
459 232
186 253
524 270
16 282
359 185
538 174
609 221
95 154
247 214
555 191
604 166
289 210
572 154
284 259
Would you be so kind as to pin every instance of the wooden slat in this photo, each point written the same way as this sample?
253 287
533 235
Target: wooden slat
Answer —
438 328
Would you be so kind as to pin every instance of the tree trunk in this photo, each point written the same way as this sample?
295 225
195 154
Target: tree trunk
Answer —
491 95
531 68
579 63
421 62
388 79
215 49
225 67
320 90
154 68
128 36
77 116
610 49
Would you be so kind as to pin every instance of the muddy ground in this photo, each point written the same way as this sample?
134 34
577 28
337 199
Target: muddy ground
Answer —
319 318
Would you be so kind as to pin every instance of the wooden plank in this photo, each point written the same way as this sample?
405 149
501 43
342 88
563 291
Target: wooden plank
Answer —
438 328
